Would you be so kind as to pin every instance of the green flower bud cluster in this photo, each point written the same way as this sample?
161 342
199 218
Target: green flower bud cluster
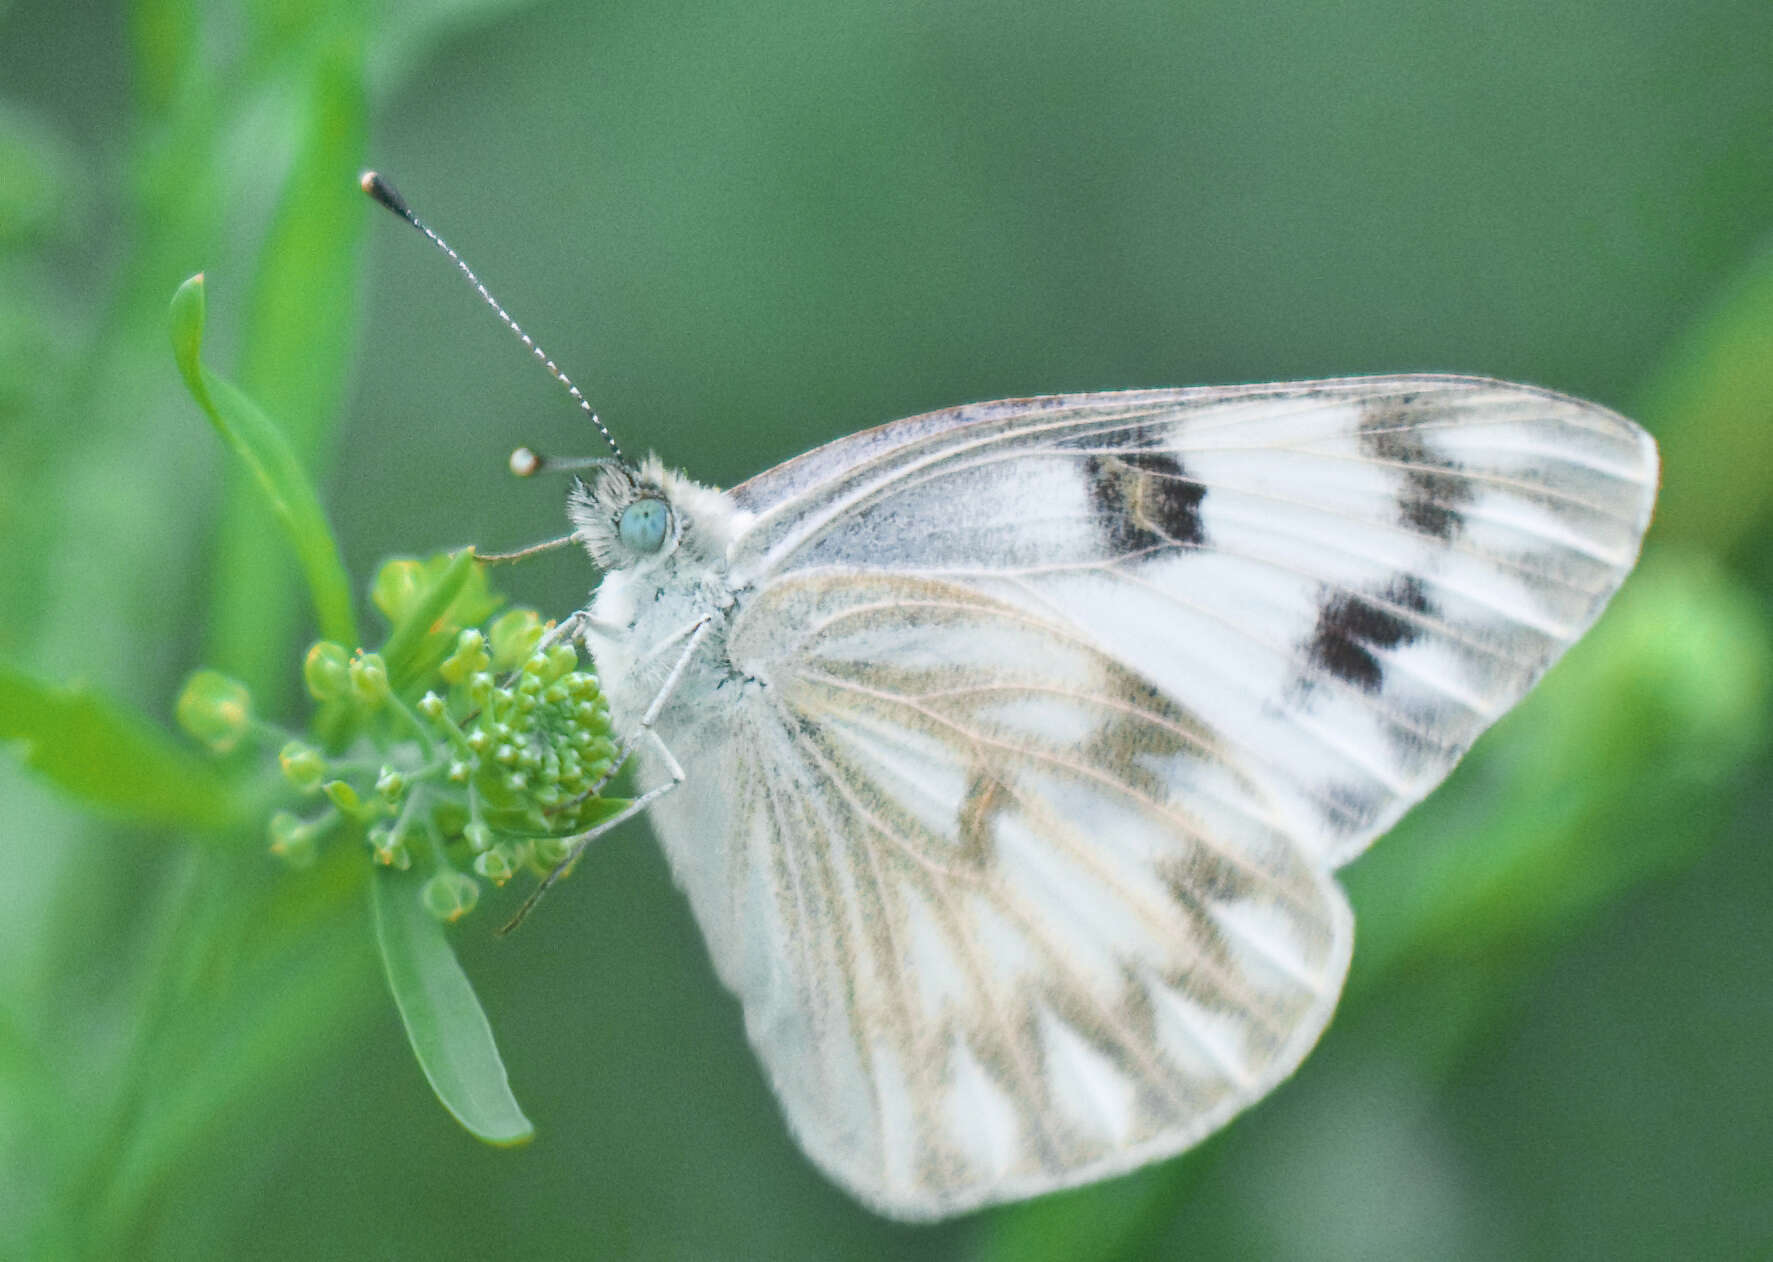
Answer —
475 752
503 752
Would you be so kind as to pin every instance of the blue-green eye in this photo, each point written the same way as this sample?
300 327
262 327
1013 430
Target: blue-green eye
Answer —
643 523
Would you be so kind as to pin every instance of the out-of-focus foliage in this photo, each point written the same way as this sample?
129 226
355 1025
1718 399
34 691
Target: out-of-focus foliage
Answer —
747 229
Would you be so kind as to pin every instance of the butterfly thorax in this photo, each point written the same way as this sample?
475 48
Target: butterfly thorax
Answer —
649 602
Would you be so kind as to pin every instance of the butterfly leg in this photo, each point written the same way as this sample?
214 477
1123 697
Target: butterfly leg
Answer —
578 844
568 629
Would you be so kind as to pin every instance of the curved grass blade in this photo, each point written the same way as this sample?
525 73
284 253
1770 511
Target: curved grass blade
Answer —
296 346
251 435
444 1021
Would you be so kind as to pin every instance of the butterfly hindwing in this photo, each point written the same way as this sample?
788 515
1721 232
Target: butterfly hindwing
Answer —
991 930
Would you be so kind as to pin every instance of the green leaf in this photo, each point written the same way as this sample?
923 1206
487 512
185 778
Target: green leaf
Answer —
108 758
250 435
1710 402
444 1021
296 346
447 598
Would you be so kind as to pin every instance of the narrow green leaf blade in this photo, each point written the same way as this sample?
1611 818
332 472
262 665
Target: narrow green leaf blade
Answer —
444 1021
260 445
401 651
296 347
109 758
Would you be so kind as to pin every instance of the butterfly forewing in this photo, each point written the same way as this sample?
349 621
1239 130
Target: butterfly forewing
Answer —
1017 846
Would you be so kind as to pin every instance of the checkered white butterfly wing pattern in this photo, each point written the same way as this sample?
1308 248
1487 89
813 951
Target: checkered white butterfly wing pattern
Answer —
1020 854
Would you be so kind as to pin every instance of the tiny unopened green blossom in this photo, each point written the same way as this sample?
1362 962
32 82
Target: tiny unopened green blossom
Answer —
551 852
478 835
293 839
369 679
450 895
302 765
388 847
391 784
470 657
327 671
398 586
344 795
495 865
514 637
215 709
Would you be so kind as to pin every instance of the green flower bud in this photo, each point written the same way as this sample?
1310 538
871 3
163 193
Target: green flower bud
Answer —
389 850
216 710
450 895
326 671
497 865
398 586
478 835
303 766
293 839
514 637
343 796
470 657
551 852
390 784
369 679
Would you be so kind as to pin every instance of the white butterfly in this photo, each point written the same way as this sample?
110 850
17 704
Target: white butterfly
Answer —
1014 746
1023 739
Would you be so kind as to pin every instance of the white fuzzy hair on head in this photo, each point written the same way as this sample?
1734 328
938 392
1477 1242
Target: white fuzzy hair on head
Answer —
702 518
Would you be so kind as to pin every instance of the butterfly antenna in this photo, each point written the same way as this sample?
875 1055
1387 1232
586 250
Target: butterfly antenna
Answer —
526 462
387 195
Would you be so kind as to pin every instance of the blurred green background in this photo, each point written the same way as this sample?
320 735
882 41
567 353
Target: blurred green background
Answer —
748 229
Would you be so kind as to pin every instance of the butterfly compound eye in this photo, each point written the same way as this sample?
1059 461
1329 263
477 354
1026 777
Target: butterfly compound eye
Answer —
642 525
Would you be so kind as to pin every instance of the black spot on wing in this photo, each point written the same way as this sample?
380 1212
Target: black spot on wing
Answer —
1433 494
1351 626
1145 500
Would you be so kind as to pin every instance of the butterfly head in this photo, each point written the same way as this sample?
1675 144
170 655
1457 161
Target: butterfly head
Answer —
638 519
